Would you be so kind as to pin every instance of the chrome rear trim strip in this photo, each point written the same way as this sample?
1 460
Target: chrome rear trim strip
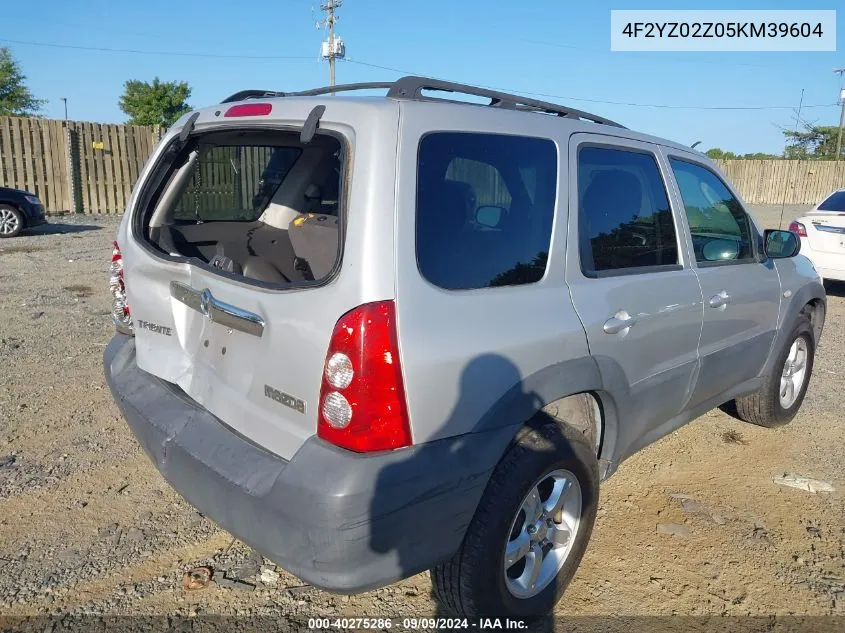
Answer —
217 311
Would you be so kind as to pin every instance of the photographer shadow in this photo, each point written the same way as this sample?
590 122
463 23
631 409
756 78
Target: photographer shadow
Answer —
444 480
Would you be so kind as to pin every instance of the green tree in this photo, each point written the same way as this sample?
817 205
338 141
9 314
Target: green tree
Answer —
814 141
156 103
15 97
716 153
760 156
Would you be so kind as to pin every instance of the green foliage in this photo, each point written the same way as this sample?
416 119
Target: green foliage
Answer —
814 141
156 103
15 97
717 153
760 156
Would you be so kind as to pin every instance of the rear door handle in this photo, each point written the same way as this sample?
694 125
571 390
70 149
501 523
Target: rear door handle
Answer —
720 300
217 311
619 322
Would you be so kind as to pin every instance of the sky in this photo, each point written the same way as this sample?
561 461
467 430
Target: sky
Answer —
558 50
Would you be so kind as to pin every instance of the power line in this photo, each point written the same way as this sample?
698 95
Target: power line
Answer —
620 103
101 49
672 59
403 72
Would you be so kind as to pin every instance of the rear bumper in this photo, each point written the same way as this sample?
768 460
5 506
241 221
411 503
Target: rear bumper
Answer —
339 520
837 274
34 214
828 265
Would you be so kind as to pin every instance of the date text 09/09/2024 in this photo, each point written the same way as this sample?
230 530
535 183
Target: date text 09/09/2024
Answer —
416 624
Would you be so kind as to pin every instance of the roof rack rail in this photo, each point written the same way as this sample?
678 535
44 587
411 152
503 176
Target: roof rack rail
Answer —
313 92
413 88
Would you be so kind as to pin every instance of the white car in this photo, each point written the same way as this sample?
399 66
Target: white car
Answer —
822 234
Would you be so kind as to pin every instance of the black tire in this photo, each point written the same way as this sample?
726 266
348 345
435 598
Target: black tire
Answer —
18 217
763 407
472 583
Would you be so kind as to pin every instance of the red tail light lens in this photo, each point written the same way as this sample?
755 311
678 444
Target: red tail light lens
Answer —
362 398
798 228
249 109
117 285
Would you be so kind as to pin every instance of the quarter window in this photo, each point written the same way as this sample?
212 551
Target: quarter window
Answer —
485 208
721 230
625 222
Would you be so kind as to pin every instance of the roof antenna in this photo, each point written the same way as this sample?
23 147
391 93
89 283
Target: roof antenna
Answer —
786 191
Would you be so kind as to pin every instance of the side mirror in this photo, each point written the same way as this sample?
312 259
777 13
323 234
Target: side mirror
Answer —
489 216
781 244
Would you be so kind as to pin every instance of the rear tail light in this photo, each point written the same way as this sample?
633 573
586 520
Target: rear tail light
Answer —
798 229
117 285
362 398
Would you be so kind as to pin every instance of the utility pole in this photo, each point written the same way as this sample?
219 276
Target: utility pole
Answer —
65 101
333 48
840 72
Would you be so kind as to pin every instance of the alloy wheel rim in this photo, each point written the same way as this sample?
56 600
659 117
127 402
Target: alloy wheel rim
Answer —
794 372
8 222
542 533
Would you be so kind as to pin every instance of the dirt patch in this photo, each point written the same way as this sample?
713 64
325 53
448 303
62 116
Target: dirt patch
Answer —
692 525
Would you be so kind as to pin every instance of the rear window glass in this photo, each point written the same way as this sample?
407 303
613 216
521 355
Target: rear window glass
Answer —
834 202
624 221
234 183
485 209
253 203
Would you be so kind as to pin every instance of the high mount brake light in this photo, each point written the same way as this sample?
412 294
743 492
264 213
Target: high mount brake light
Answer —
362 397
799 229
249 109
117 285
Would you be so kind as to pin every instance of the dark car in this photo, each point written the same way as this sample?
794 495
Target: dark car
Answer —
19 210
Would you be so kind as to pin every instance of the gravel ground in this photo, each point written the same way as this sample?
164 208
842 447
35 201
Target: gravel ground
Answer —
692 525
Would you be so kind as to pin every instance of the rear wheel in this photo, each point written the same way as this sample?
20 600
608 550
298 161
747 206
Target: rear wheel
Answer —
529 532
783 390
11 221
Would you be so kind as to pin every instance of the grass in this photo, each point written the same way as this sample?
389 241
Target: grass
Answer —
80 290
19 248
733 437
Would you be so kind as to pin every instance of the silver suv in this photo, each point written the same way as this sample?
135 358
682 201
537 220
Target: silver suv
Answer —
376 335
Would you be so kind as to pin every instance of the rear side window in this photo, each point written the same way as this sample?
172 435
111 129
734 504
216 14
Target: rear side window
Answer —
834 202
485 209
625 222
234 183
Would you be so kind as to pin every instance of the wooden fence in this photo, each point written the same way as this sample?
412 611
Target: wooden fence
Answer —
74 166
784 181
91 167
